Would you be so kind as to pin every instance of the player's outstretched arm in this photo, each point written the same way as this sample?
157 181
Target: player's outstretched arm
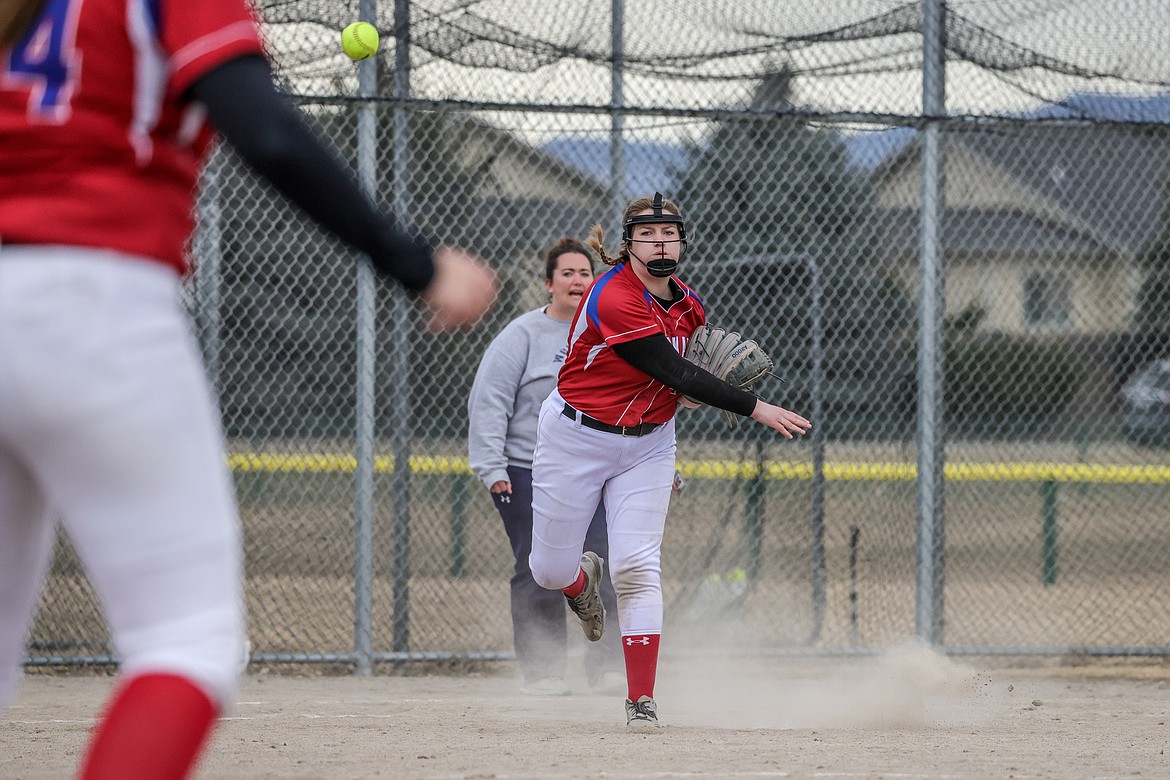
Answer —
268 133
780 419
656 357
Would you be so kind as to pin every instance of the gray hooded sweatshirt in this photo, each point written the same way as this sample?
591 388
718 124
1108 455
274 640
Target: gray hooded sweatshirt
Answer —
517 372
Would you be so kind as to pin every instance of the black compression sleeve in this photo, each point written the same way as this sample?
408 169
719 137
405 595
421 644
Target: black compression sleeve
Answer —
653 355
270 135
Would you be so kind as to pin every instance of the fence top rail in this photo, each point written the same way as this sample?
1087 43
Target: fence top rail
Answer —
843 471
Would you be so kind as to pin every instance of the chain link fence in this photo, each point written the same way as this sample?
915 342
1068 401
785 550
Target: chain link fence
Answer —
972 304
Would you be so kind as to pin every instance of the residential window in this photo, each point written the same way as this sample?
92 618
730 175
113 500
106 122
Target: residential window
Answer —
1047 298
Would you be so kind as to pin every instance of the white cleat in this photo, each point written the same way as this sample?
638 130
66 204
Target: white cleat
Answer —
642 714
587 606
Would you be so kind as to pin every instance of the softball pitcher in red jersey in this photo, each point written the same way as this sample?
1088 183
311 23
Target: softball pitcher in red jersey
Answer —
107 420
607 431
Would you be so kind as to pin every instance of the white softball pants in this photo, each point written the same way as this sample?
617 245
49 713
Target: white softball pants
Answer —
573 468
107 423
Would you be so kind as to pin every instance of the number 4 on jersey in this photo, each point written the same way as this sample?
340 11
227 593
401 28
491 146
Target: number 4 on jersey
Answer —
43 61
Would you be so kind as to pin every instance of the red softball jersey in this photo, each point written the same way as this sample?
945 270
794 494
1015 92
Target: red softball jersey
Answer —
98 147
618 308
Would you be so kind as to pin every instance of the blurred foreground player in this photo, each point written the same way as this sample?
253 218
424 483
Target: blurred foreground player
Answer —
106 416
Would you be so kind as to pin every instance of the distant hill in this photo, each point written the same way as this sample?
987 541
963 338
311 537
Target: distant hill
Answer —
868 149
1117 108
648 166
656 166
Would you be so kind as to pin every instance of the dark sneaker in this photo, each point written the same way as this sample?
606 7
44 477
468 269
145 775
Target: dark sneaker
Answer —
587 606
642 713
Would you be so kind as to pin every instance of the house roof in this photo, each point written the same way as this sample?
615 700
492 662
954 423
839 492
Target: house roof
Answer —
1114 180
577 183
973 232
533 222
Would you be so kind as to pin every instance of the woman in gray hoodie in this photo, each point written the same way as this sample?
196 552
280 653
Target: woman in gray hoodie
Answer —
517 372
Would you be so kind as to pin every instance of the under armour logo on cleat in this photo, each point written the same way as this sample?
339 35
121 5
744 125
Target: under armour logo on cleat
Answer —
639 640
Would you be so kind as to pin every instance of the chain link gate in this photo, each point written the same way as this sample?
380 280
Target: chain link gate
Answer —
806 204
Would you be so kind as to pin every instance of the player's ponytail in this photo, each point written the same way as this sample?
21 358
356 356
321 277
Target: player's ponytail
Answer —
15 18
597 243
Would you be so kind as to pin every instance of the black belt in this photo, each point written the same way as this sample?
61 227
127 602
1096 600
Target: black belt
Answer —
641 429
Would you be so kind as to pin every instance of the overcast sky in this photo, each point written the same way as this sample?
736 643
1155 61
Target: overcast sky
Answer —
740 38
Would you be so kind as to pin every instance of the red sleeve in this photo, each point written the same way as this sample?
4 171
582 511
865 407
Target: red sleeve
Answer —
199 35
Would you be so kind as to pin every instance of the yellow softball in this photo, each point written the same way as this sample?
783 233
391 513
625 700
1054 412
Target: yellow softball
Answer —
359 40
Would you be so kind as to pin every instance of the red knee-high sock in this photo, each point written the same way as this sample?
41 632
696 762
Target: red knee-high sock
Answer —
641 651
154 729
578 586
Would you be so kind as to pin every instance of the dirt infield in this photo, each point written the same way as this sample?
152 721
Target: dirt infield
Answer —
908 714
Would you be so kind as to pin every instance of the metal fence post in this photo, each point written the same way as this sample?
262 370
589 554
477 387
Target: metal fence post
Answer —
402 338
458 524
929 570
754 506
365 362
617 158
1048 532
817 487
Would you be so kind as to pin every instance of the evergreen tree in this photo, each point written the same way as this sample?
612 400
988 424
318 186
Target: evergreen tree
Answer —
773 199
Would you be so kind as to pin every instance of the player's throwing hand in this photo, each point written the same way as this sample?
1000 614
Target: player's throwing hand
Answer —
780 419
463 289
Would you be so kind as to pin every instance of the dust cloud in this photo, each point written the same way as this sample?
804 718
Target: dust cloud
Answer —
906 686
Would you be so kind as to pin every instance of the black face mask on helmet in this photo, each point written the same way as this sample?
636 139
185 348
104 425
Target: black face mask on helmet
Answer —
663 266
